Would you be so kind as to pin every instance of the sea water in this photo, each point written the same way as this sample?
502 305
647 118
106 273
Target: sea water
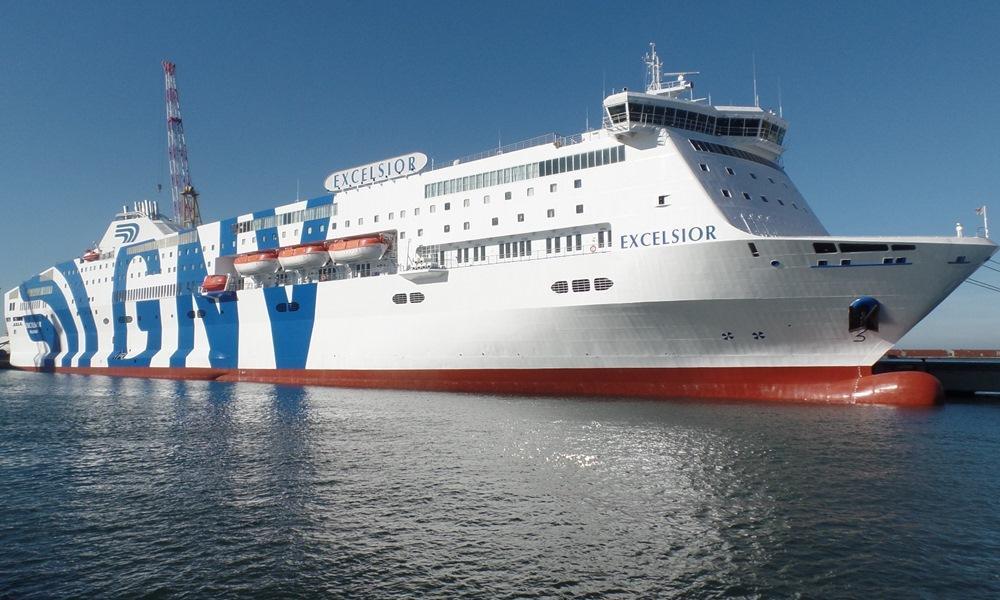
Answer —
135 488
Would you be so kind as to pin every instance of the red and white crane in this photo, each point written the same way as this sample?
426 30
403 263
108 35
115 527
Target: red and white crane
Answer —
186 211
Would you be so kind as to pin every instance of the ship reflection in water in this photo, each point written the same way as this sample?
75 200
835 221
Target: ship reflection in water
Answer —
128 487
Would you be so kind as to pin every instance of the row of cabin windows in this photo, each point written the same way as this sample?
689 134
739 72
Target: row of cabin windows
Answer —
849 247
565 164
554 244
714 148
154 292
582 285
578 183
747 196
297 216
666 116
478 254
730 171
846 262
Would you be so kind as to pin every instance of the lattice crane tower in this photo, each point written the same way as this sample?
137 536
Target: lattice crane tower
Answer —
186 211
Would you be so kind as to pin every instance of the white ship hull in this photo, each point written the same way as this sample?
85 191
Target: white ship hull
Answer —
635 261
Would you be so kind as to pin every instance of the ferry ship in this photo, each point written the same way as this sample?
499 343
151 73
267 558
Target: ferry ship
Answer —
666 254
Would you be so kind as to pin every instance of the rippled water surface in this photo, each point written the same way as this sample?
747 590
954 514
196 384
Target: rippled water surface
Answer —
124 487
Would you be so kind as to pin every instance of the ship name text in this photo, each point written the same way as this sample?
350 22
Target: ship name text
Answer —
680 235
377 172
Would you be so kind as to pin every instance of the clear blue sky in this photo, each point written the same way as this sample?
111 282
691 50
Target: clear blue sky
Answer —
892 105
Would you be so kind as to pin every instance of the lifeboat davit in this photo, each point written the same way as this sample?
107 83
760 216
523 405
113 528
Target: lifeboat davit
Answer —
306 256
255 264
91 255
370 247
214 284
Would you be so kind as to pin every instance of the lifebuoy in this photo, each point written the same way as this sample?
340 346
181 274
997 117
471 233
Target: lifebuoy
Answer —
593 248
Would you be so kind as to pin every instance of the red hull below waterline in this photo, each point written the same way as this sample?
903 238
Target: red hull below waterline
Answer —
830 385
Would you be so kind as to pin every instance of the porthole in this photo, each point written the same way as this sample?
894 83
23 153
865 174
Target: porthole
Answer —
281 307
602 283
293 306
560 287
416 297
399 298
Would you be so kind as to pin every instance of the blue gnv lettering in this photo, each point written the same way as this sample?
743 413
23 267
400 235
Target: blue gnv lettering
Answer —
680 235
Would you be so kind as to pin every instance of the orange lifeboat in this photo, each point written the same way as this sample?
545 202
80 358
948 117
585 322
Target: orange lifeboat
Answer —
306 256
370 247
214 284
91 255
255 264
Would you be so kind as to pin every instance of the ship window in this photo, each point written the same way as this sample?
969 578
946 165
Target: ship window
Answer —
730 171
399 298
530 191
416 297
662 200
293 306
447 206
746 195
579 209
433 210
886 261
864 248
548 245
780 201
486 199
465 226
560 287
447 228
824 248
703 166
727 194
845 262
552 187
579 241
347 223
902 260
558 241
898 247
402 235
752 176
577 183
465 203
764 198
520 217
821 263
753 249
507 196
416 212
496 221
420 233
602 283
600 239
581 285
550 213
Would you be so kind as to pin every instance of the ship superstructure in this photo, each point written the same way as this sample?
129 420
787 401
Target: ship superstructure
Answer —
665 254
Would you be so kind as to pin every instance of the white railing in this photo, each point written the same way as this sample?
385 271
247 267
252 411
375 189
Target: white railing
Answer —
548 138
